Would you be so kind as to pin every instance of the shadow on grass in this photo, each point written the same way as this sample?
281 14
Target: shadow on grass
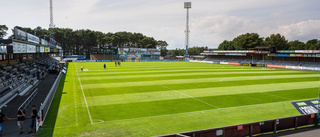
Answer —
48 126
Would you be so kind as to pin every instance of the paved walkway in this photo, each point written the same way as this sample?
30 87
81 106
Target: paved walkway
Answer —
304 132
10 128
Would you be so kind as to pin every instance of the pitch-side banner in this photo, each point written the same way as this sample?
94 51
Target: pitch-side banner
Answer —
19 47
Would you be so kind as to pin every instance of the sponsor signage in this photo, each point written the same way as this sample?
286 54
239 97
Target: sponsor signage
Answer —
33 38
154 50
285 51
31 48
303 51
234 51
20 35
157 53
44 42
143 49
316 51
282 55
276 66
235 54
38 49
262 52
41 49
306 107
3 49
244 64
261 65
299 55
233 63
46 49
19 47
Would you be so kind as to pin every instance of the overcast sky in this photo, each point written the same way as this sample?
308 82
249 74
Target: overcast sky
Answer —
211 21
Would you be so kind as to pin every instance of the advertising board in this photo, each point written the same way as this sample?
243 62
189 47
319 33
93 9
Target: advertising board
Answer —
33 38
20 35
31 48
19 47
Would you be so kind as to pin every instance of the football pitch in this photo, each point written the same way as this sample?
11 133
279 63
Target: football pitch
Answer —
157 98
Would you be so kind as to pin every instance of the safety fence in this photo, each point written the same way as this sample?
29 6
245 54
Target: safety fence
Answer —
45 106
250 129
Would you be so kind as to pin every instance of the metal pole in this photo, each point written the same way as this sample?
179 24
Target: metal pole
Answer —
187 32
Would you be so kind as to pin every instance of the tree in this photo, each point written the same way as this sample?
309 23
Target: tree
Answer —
247 41
162 45
3 31
312 45
277 41
226 45
296 45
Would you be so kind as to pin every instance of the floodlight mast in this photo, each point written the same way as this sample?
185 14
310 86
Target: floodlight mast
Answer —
51 25
187 5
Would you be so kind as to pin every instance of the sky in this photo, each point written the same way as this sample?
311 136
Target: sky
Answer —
211 21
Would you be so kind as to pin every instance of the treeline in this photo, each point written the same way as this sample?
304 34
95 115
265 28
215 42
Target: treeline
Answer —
191 51
249 41
81 42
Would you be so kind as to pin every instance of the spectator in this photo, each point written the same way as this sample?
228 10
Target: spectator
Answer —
34 114
21 118
1 121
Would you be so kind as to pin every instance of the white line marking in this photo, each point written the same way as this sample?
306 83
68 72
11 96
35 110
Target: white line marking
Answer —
75 101
189 96
201 111
84 96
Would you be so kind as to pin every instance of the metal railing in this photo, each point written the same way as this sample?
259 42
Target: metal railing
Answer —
29 99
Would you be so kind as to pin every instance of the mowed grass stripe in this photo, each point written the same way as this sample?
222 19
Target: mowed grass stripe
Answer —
163 107
175 71
207 81
116 79
201 92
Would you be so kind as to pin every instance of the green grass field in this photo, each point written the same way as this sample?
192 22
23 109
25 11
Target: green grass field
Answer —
157 98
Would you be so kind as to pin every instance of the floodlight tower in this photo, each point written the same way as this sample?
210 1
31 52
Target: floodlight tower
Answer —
187 5
51 25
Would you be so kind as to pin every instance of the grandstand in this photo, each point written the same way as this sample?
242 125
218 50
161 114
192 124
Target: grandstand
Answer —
305 58
28 69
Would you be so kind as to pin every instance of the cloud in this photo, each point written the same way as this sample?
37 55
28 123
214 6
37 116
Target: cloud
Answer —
303 31
211 21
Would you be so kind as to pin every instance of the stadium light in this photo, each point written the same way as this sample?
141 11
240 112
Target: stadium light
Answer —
187 5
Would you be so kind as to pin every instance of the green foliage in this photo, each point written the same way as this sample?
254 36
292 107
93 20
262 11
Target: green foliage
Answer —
3 31
81 42
277 41
191 51
293 45
247 41
226 45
